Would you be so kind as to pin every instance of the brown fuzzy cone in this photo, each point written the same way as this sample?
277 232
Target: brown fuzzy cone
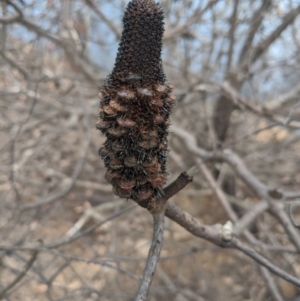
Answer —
135 107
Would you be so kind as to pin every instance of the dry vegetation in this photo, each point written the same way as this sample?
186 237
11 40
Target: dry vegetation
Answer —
64 236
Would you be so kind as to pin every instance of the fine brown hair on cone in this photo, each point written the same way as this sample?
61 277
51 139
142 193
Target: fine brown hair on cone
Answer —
135 106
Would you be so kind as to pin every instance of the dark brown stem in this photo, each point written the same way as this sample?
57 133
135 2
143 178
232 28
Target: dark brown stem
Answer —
176 186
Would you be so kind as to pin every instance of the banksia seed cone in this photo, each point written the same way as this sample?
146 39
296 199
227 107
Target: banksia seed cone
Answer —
135 106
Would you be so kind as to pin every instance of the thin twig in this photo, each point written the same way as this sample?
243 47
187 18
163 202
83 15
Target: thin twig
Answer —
250 216
228 156
265 262
78 167
236 98
176 186
273 289
171 286
108 21
287 223
223 199
153 256
290 211
256 20
67 240
264 45
219 192
21 275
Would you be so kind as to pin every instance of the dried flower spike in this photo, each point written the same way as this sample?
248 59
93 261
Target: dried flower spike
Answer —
135 106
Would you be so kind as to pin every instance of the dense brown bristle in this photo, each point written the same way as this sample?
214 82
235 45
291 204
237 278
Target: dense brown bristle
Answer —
139 53
135 107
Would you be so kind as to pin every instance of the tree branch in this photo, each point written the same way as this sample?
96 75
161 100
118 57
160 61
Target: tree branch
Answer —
109 22
21 275
264 45
233 95
273 289
233 20
258 188
290 210
227 156
157 209
182 28
188 222
287 223
250 216
256 21
12 19
219 192
78 166
174 187
153 256
265 262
